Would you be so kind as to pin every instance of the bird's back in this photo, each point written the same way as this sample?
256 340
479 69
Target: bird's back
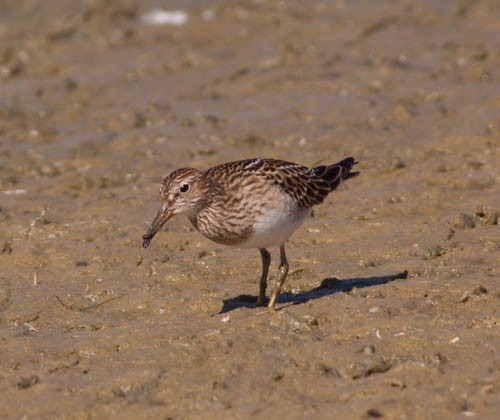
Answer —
306 186
261 202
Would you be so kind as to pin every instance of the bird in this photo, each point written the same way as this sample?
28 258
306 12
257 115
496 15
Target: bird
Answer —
250 203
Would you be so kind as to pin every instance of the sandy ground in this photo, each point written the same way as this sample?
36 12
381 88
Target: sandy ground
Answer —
96 106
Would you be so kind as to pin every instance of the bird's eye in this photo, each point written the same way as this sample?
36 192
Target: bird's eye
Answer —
184 188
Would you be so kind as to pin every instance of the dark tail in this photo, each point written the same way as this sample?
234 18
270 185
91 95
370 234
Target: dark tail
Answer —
336 173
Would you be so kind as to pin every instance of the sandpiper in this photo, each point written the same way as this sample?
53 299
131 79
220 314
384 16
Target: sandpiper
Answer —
252 203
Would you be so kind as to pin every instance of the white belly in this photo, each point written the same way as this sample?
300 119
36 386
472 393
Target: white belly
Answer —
275 226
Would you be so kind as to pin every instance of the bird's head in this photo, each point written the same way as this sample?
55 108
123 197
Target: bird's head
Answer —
184 191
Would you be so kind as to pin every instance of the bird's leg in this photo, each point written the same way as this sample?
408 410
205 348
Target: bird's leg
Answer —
266 261
283 271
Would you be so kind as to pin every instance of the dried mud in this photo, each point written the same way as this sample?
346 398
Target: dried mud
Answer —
391 308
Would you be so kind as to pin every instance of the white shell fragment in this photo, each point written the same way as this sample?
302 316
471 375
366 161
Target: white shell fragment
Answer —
160 17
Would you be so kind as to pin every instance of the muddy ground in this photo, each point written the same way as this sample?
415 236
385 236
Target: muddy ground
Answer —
96 106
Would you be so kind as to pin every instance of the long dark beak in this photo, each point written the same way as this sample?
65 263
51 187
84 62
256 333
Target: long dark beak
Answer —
160 219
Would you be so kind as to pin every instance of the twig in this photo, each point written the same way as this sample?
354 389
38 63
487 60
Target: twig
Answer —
85 308
81 222
36 219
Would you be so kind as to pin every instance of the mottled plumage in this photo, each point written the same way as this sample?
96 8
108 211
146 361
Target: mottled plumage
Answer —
252 203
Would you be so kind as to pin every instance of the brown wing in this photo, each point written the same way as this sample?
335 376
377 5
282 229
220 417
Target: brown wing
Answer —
307 186
297 181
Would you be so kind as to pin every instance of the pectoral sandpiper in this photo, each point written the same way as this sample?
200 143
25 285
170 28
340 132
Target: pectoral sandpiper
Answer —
253 203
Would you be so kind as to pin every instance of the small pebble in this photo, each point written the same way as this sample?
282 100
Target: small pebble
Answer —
81 264
449 235
27 382
368 349
492 218
373 413
7 248
475 291
277 376
434 252
464 221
